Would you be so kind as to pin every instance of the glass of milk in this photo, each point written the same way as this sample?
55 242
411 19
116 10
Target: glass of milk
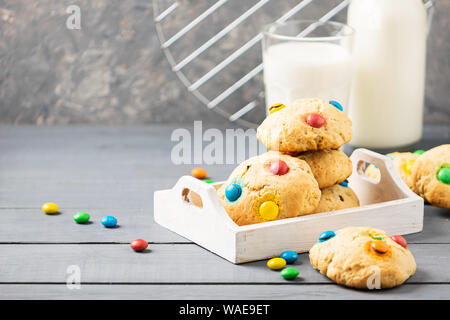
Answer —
307 59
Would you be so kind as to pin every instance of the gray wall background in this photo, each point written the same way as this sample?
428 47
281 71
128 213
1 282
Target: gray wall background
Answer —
113 70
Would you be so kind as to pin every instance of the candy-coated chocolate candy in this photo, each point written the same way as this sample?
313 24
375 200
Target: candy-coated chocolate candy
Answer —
380 246
400 240
199 173
419 151
326 235
139 245
276 107
208 181
269 210
109 221
289 255
50 208
279 167
344 183
289 273
408 166
81 217
443 175
315 120
276 263
336 104
233 192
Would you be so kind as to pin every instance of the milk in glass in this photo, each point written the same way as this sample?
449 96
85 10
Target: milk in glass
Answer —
386 101
297 70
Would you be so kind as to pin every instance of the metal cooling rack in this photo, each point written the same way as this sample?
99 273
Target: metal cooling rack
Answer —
216 101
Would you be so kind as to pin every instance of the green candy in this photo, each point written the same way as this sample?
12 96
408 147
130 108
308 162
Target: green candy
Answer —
289 273
378 238
419 151
81 217
208 181
443 174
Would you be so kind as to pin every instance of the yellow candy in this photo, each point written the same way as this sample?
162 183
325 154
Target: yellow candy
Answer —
50 208
276 263
408 166
269 210
276 107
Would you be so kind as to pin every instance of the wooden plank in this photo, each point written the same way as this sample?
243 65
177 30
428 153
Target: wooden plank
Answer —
32 225
169 263
228 292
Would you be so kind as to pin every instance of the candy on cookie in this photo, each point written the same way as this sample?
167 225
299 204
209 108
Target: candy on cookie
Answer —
306 124
329 166
269 187
430 176
337 197
363 257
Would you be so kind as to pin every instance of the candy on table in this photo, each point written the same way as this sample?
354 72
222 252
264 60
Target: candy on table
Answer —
109 221
315 120
276 107
336 104
289 255
50 208
81 217
400 240
199 173
276 263
289 273
419 152
379 246
233 192
269 210
139 245
326 235
208 181
278 167
443 174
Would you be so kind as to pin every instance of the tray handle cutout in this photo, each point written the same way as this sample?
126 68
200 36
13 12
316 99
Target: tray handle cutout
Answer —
390 187
196 195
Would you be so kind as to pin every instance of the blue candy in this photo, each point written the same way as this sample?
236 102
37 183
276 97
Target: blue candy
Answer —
233 192
336 104
344 183
109 221
289 255
327 235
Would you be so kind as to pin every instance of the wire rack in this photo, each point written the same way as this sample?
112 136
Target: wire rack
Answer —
219 73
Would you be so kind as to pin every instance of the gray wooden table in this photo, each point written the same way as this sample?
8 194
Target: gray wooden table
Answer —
114 171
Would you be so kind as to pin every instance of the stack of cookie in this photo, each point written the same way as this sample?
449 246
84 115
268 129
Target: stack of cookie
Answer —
425 173
304 171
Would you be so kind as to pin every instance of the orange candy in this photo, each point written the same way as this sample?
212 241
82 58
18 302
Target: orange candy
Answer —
199 173
379 246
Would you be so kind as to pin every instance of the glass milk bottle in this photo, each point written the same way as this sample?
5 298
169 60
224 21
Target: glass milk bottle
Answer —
387 96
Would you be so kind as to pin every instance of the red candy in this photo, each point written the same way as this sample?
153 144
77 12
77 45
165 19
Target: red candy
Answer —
315 120
400 240
139 245
279 167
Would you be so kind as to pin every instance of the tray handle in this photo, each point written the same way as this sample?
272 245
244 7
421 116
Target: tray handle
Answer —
390 186
210 202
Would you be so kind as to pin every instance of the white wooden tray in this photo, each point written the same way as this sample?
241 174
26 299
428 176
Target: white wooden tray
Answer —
193 210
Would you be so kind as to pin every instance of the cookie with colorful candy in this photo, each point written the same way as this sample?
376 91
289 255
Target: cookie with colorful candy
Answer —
363 257
269 187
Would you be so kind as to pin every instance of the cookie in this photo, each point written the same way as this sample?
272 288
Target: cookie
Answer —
269 187
329 166
430 176
403 162
337 197
307 124
363 257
